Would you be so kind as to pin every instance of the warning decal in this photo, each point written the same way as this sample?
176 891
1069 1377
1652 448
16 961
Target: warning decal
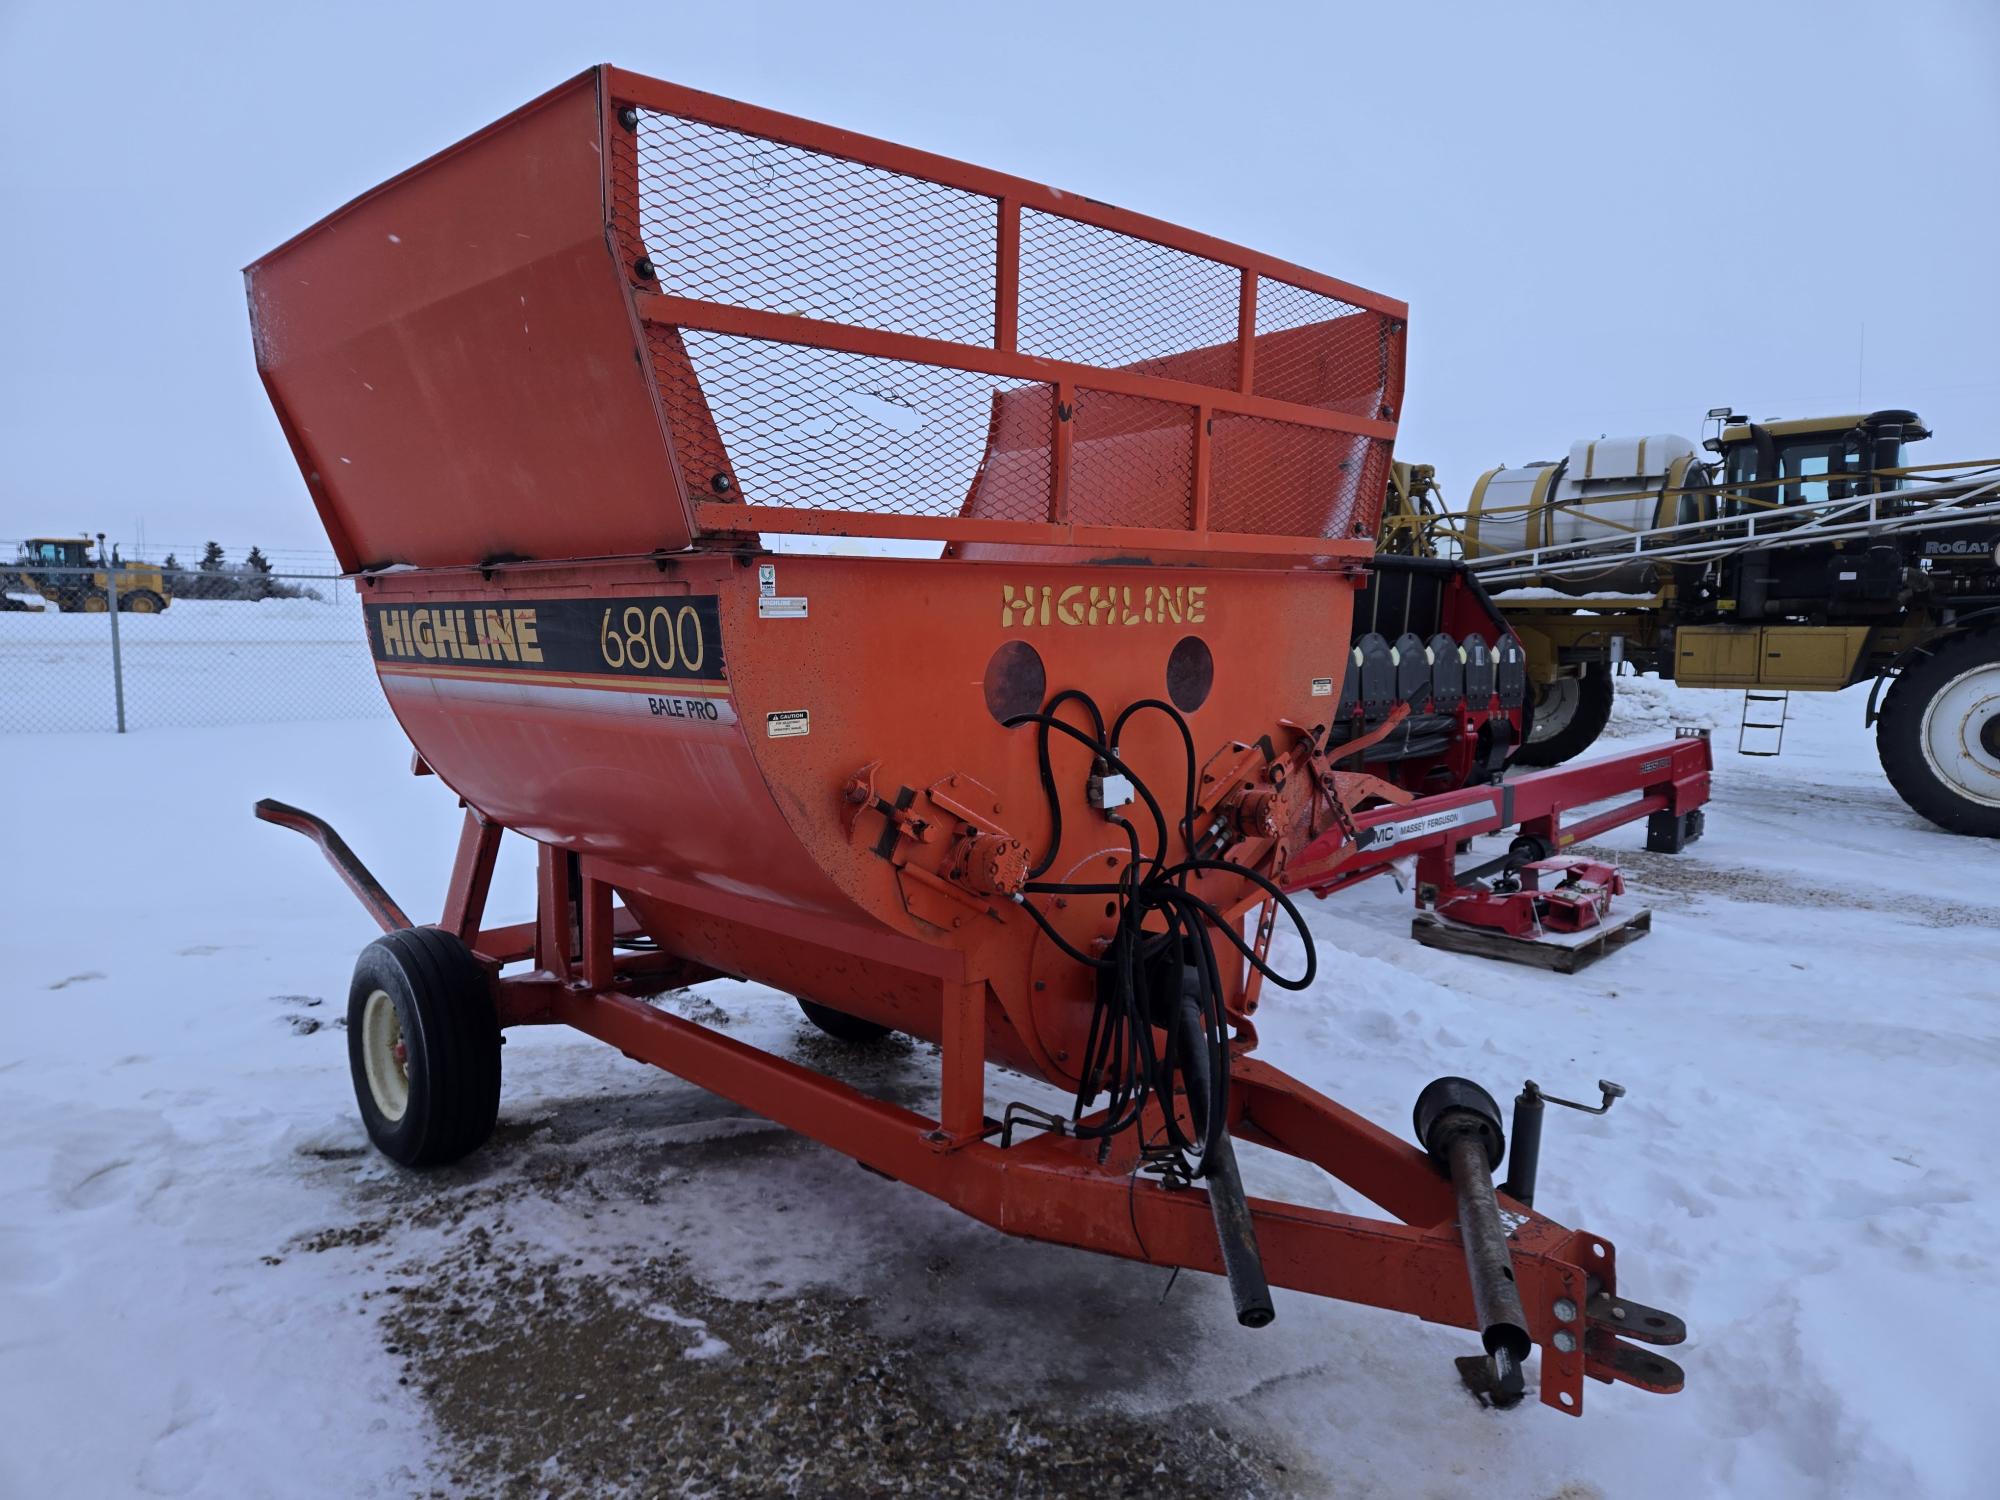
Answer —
788 723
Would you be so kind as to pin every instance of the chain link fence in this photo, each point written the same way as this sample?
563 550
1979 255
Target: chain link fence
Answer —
184 648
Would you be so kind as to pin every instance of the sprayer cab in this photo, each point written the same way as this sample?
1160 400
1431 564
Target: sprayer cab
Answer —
1809 459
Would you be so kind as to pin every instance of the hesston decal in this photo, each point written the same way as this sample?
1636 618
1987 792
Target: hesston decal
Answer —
674 638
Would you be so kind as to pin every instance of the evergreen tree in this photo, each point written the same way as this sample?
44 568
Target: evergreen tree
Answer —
208 582
256 576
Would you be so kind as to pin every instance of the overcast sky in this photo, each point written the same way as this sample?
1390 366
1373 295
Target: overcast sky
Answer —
1605 217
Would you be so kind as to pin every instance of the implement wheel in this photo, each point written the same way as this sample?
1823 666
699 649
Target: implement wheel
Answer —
144 602
423 1045
839 1025
1570 713
1939 734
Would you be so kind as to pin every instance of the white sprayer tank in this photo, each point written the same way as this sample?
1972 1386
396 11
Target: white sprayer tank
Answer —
1607 488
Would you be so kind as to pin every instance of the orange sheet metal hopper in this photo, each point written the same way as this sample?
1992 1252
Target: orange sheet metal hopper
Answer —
558 392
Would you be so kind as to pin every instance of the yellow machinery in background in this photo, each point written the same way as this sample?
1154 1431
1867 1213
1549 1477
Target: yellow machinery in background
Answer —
62 570
1775 557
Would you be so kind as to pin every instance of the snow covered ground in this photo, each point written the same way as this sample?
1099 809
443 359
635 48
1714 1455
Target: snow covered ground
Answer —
209 1286
199 662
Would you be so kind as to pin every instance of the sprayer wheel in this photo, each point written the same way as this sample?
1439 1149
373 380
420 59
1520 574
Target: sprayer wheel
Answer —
839 1025
1939 734
1570 713
423 1044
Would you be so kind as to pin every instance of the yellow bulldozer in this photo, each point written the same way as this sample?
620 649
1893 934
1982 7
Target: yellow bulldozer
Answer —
1803 555
61 570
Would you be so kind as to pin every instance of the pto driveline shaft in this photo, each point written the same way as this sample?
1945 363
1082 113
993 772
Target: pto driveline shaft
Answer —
1496 1300
1235 1230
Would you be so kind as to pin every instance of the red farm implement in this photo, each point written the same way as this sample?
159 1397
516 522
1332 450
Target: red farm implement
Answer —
564 394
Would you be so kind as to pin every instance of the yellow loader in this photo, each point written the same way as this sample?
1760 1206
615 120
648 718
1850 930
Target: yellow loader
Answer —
62 571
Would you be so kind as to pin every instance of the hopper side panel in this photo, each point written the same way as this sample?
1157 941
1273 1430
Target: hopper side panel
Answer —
456 362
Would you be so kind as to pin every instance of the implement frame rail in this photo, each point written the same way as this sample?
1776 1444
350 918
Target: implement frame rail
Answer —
1667 779
1051 1187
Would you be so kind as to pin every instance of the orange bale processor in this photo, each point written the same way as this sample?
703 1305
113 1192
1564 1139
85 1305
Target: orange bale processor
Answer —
613 410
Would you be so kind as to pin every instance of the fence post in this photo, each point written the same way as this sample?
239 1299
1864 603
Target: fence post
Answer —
117 658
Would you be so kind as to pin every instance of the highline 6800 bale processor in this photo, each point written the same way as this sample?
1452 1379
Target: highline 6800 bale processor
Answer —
1039 794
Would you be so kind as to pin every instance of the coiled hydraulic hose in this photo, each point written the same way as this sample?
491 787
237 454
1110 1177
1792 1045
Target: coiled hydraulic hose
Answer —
1144 975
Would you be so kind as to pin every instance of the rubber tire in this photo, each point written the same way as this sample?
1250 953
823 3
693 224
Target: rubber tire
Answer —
1899 735
1596 689
141 602
444 1002
842 1027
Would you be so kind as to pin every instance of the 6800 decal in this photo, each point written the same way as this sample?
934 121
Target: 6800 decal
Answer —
662 638
676 638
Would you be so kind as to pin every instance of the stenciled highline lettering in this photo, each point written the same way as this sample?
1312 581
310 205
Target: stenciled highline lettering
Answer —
1113 604
453 634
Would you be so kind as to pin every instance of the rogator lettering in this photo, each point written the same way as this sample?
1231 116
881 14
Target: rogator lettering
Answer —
676 637
1103 604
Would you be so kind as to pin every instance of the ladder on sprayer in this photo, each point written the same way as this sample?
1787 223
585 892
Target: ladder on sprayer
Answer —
1761 729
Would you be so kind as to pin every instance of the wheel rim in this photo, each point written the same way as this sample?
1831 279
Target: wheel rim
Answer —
385 1056
1555 706
1961 735
142 605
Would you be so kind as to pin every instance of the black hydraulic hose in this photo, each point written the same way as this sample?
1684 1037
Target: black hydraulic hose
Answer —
1163 935
1105 755
1187 743
1048 772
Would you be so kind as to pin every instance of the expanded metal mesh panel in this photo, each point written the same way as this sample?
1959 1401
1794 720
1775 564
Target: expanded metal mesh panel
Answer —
1280 305
724 216
1096 297
1320 351
750 222
820 429
1282 479
1131 462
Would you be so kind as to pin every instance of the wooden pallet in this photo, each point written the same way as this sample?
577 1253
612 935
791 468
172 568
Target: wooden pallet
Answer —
1565 952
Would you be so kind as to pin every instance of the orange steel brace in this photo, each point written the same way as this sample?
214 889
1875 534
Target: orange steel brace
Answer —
1231 549
1060 451
790 328
1246 334
555 914
598 958
471 877
1007 277
963 1109
1204 448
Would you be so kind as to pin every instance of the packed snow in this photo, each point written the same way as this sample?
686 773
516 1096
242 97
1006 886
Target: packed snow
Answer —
210 1286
